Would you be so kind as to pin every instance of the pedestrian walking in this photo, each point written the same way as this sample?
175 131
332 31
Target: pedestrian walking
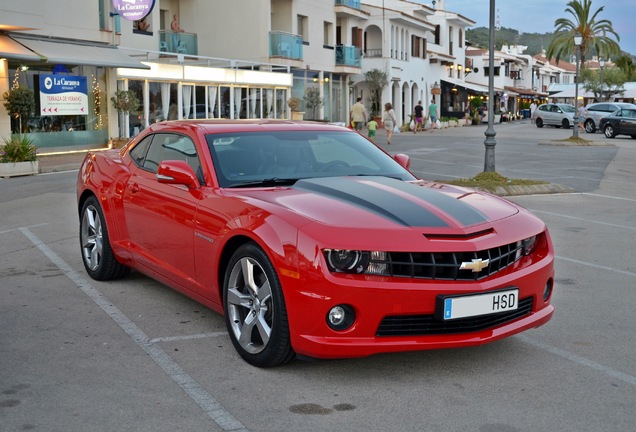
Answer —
418 112
372 126
432 112
358 115
389 120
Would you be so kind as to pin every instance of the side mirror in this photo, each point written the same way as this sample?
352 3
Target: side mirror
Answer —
177 172
403 159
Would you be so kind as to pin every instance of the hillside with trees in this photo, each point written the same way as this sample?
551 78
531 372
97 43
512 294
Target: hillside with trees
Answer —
536 42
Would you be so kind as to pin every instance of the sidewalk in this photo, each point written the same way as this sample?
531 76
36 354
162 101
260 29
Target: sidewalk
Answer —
66 161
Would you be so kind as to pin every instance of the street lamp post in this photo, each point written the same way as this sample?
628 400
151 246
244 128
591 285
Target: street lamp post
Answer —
601 64
490 142
577 42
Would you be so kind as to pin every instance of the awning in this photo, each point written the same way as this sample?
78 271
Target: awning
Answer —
468 86
526 92
80 54
569 93
10 49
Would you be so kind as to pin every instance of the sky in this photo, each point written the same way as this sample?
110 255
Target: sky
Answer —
538 16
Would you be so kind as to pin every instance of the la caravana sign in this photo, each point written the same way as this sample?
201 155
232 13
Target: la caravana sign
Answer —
63 95
133 10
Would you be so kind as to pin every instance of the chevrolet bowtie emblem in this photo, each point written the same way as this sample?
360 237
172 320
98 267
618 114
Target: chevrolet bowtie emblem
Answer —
475 265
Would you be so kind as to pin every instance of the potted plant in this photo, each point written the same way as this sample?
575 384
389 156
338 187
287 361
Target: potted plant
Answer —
313 100
18 156
124 102
20 104
294 104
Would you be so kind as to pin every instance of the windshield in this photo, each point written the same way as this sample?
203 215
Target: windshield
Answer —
568 108
281 157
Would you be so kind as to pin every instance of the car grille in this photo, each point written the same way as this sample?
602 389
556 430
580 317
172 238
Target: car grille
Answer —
424 325
445 265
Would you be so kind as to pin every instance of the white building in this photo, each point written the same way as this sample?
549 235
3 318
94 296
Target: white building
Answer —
243 59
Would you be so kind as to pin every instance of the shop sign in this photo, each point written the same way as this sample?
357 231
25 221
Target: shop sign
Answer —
63 95
133 10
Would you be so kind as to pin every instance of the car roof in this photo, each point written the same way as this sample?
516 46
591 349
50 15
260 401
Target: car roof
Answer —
246 125
618 104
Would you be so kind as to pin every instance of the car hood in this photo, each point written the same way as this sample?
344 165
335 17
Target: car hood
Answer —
379 202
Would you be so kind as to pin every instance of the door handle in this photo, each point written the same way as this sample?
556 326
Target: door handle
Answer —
133 187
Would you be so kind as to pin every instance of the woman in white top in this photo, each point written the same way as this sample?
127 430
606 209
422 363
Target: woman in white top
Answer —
389 120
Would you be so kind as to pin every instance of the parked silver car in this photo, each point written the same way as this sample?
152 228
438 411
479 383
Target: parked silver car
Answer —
554 114
595 111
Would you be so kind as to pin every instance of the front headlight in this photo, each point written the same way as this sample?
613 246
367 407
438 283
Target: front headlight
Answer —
529 245
356 261
347 261
526 246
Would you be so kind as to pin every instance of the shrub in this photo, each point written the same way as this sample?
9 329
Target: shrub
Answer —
18 149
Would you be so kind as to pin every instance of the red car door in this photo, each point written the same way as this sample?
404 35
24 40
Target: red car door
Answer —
160 217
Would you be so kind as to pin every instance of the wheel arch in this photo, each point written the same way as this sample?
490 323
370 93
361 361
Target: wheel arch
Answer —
224 258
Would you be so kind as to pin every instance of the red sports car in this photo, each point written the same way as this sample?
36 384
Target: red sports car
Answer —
312 241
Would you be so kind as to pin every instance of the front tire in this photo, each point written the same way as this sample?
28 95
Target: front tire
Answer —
589 126
98 257
255 312
609 131
565 123
539 123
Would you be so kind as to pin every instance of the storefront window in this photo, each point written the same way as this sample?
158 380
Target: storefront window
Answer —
54 129
225 102
281 104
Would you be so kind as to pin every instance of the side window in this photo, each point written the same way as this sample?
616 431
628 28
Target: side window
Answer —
172 147
138 153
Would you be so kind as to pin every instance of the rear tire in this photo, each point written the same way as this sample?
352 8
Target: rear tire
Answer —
590 127
255 311
98 257
539 123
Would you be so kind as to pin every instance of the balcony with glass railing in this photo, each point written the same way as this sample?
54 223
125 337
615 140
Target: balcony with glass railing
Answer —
285 45
178 42
348 55
355 4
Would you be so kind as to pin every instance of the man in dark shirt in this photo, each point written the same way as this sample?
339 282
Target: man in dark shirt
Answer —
419 117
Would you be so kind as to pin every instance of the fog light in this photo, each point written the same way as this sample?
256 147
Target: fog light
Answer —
547 292
341 317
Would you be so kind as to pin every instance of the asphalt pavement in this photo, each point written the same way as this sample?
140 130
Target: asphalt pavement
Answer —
80 355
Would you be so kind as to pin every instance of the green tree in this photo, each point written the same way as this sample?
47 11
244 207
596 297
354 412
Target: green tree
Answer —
313 100
20 104
626 64
124 102
376 80
613 80
594 32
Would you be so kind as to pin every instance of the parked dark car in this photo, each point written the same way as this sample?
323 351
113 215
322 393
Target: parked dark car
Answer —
595 111
620 122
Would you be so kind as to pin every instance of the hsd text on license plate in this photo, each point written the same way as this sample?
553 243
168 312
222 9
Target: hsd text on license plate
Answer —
480 304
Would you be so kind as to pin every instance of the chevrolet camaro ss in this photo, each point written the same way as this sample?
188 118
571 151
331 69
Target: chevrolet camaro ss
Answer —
312 241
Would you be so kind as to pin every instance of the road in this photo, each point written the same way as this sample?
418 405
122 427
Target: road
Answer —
133 355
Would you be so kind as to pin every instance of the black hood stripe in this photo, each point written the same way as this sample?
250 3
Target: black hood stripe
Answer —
359 192
458 210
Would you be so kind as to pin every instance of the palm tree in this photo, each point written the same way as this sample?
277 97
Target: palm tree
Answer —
593 31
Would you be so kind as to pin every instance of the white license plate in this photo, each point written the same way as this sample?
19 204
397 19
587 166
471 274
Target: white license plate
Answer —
480 304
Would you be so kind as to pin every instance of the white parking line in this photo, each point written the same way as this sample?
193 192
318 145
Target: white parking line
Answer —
188 337
584 220
192 388
629 379
588 264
